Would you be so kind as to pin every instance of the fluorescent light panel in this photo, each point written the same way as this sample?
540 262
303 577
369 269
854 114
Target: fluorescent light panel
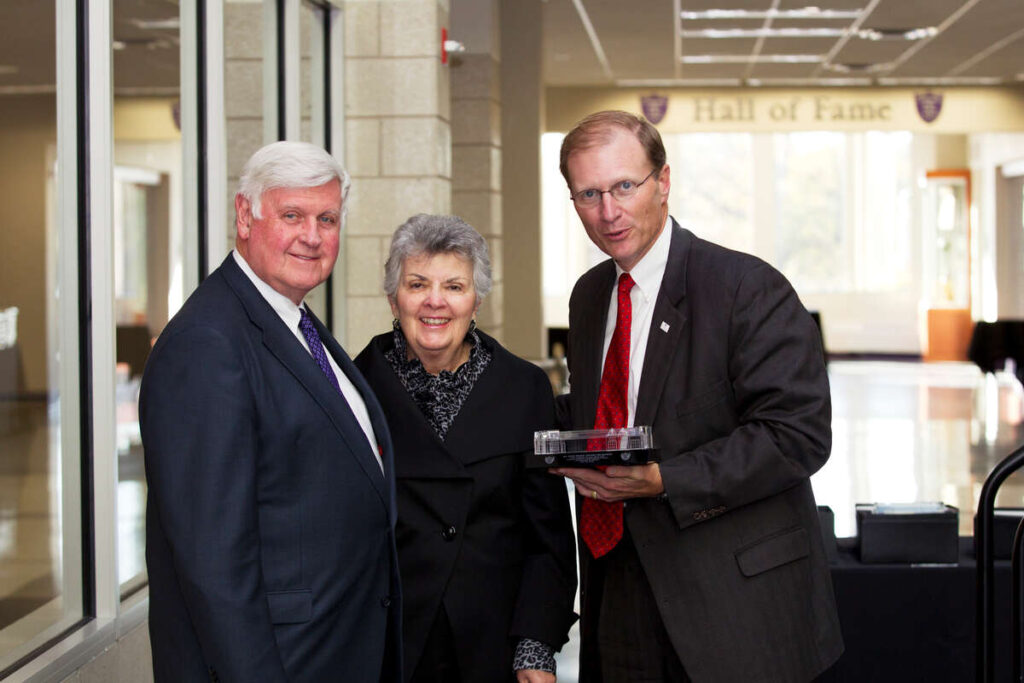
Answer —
764 33
744 59
897 34
803 13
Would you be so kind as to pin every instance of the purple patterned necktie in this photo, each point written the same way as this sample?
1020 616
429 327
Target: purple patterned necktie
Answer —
316 347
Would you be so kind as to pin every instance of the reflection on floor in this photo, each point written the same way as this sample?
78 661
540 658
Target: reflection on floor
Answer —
901 432
30 506
29 521
905 432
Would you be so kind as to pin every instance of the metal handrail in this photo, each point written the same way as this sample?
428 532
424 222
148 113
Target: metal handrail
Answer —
1018 609
986 649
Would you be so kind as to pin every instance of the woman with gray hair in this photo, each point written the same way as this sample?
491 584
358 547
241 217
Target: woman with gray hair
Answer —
485 547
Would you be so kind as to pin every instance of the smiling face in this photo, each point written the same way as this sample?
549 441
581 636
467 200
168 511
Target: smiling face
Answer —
434 304
623 229
294 245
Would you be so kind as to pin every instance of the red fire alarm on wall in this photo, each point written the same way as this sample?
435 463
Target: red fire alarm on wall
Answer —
449 46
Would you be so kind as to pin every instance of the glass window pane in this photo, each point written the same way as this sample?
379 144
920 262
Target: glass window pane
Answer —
148 250
311 73
244 48
713 186
40 557
946 254
885 230
311 106
810 214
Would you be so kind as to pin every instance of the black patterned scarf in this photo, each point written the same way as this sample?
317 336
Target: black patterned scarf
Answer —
439 397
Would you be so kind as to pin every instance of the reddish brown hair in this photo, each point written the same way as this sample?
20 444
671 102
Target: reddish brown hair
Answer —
597 129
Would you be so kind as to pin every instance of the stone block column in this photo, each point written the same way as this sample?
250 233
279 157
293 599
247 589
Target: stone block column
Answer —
476 139
243 95
397 139
522 122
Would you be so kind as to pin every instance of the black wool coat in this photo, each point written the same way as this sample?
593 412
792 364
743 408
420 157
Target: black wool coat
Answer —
477 532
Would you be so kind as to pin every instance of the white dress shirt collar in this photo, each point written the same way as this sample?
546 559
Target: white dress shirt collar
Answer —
650 269
284 306
290 315
647 274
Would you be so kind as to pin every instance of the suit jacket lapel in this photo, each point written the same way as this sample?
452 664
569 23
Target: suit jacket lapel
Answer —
593 319
282 344
474 434
425 455
662 343
367 459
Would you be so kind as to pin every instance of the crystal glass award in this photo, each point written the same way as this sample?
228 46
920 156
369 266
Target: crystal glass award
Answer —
592 447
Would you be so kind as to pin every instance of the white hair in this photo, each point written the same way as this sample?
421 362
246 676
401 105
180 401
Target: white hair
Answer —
288 164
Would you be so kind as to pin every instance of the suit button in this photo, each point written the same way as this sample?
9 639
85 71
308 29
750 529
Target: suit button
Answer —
385 602
448 533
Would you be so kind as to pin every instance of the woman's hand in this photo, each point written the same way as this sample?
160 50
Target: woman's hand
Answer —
534 676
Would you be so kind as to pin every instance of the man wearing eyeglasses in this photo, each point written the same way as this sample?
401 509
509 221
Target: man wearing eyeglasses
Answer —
707 565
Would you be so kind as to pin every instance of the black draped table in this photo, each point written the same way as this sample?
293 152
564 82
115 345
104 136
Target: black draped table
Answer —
904 623
993 343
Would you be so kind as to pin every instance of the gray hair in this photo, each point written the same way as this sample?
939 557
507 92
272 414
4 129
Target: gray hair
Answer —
426 234
290 164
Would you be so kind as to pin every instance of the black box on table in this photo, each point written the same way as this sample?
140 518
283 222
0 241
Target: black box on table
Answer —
907 533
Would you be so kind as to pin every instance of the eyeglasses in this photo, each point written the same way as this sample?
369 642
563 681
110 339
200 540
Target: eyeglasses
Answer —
624 189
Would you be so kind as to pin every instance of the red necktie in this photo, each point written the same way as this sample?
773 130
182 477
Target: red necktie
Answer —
600 521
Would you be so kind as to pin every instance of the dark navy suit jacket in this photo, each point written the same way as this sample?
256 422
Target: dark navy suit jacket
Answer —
270 527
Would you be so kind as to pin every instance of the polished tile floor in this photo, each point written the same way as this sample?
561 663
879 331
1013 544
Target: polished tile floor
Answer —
902 432
913 432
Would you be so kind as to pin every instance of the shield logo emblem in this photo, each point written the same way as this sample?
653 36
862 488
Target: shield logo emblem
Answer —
654 107
929 105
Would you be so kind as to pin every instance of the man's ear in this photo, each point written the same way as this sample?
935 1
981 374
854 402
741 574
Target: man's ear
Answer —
664 182
243 217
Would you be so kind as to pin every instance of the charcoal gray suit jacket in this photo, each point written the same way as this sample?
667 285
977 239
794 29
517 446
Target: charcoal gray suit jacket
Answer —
735 387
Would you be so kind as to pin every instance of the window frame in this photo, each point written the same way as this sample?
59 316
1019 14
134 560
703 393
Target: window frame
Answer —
84 221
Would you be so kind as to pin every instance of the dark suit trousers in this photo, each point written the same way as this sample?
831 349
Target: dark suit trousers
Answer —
633 645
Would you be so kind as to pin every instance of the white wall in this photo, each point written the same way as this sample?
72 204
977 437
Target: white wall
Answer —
997 275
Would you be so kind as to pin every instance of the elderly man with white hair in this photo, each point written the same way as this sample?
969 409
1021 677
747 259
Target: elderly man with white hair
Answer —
270 525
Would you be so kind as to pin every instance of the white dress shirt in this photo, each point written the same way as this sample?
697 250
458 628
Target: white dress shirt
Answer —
291 316
647 274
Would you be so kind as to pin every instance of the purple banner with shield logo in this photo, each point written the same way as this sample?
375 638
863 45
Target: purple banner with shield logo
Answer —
929 105
654 107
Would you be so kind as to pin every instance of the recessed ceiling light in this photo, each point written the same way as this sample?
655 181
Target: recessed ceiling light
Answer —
857 67
940 81
763 33
803 13
679 82
921 33
743 59
897 33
